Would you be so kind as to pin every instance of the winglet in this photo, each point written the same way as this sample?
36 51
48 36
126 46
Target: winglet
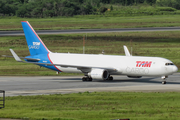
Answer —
16 57
126 51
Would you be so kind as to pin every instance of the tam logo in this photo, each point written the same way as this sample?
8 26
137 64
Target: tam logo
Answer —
36 43
143 63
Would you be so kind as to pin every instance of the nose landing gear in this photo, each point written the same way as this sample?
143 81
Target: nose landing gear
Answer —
110 78
164 77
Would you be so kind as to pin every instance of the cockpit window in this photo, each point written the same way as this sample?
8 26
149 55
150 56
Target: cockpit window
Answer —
169 64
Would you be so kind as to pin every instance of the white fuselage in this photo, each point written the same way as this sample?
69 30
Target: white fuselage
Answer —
99 67
125 65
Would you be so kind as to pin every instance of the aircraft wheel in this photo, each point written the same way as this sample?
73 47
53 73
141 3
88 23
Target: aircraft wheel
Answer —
90 79
110 78
164 82
84 79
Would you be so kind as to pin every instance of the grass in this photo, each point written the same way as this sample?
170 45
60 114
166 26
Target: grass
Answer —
140 10
94 106
140 15
157 44
92 22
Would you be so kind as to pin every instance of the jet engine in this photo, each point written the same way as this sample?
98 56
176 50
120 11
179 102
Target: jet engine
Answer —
99 74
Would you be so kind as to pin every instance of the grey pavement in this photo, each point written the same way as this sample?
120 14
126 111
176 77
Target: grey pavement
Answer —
41 32
14 85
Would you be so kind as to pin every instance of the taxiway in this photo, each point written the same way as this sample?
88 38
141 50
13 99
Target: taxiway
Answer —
47 32
15 86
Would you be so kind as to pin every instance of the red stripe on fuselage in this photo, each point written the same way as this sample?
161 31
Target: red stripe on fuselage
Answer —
52 63
42 43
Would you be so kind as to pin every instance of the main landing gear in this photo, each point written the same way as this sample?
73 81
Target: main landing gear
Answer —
86 78
164 77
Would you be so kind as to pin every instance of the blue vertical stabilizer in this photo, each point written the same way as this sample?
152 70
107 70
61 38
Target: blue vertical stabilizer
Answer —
34 42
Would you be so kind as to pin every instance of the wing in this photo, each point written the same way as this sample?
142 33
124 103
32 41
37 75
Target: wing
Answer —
82 68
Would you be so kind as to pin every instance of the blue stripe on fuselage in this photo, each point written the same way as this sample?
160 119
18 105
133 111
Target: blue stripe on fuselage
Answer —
43 59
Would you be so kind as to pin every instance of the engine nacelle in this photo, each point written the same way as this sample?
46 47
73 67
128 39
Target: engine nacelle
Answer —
99 74
134 76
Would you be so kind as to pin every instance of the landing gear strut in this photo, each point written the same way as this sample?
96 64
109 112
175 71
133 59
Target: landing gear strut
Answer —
164 77
86 78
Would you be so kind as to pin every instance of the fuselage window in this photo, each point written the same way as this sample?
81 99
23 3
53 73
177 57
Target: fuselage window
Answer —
169 64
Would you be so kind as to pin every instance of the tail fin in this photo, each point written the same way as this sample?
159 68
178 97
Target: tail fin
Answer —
34 42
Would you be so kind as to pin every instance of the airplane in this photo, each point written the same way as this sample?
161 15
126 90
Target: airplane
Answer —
93 66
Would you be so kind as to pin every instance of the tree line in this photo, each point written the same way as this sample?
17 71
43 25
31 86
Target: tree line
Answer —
53 8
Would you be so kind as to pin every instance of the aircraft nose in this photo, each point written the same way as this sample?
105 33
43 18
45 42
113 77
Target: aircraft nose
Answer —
175 69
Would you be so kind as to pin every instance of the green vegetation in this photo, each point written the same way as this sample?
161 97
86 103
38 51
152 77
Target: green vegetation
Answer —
141 10
54 8
92 22
170 3
88 14
161 44
94 106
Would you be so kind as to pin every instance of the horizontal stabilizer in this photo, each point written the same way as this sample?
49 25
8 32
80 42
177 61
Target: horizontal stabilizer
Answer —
126 51
16 57
29 59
